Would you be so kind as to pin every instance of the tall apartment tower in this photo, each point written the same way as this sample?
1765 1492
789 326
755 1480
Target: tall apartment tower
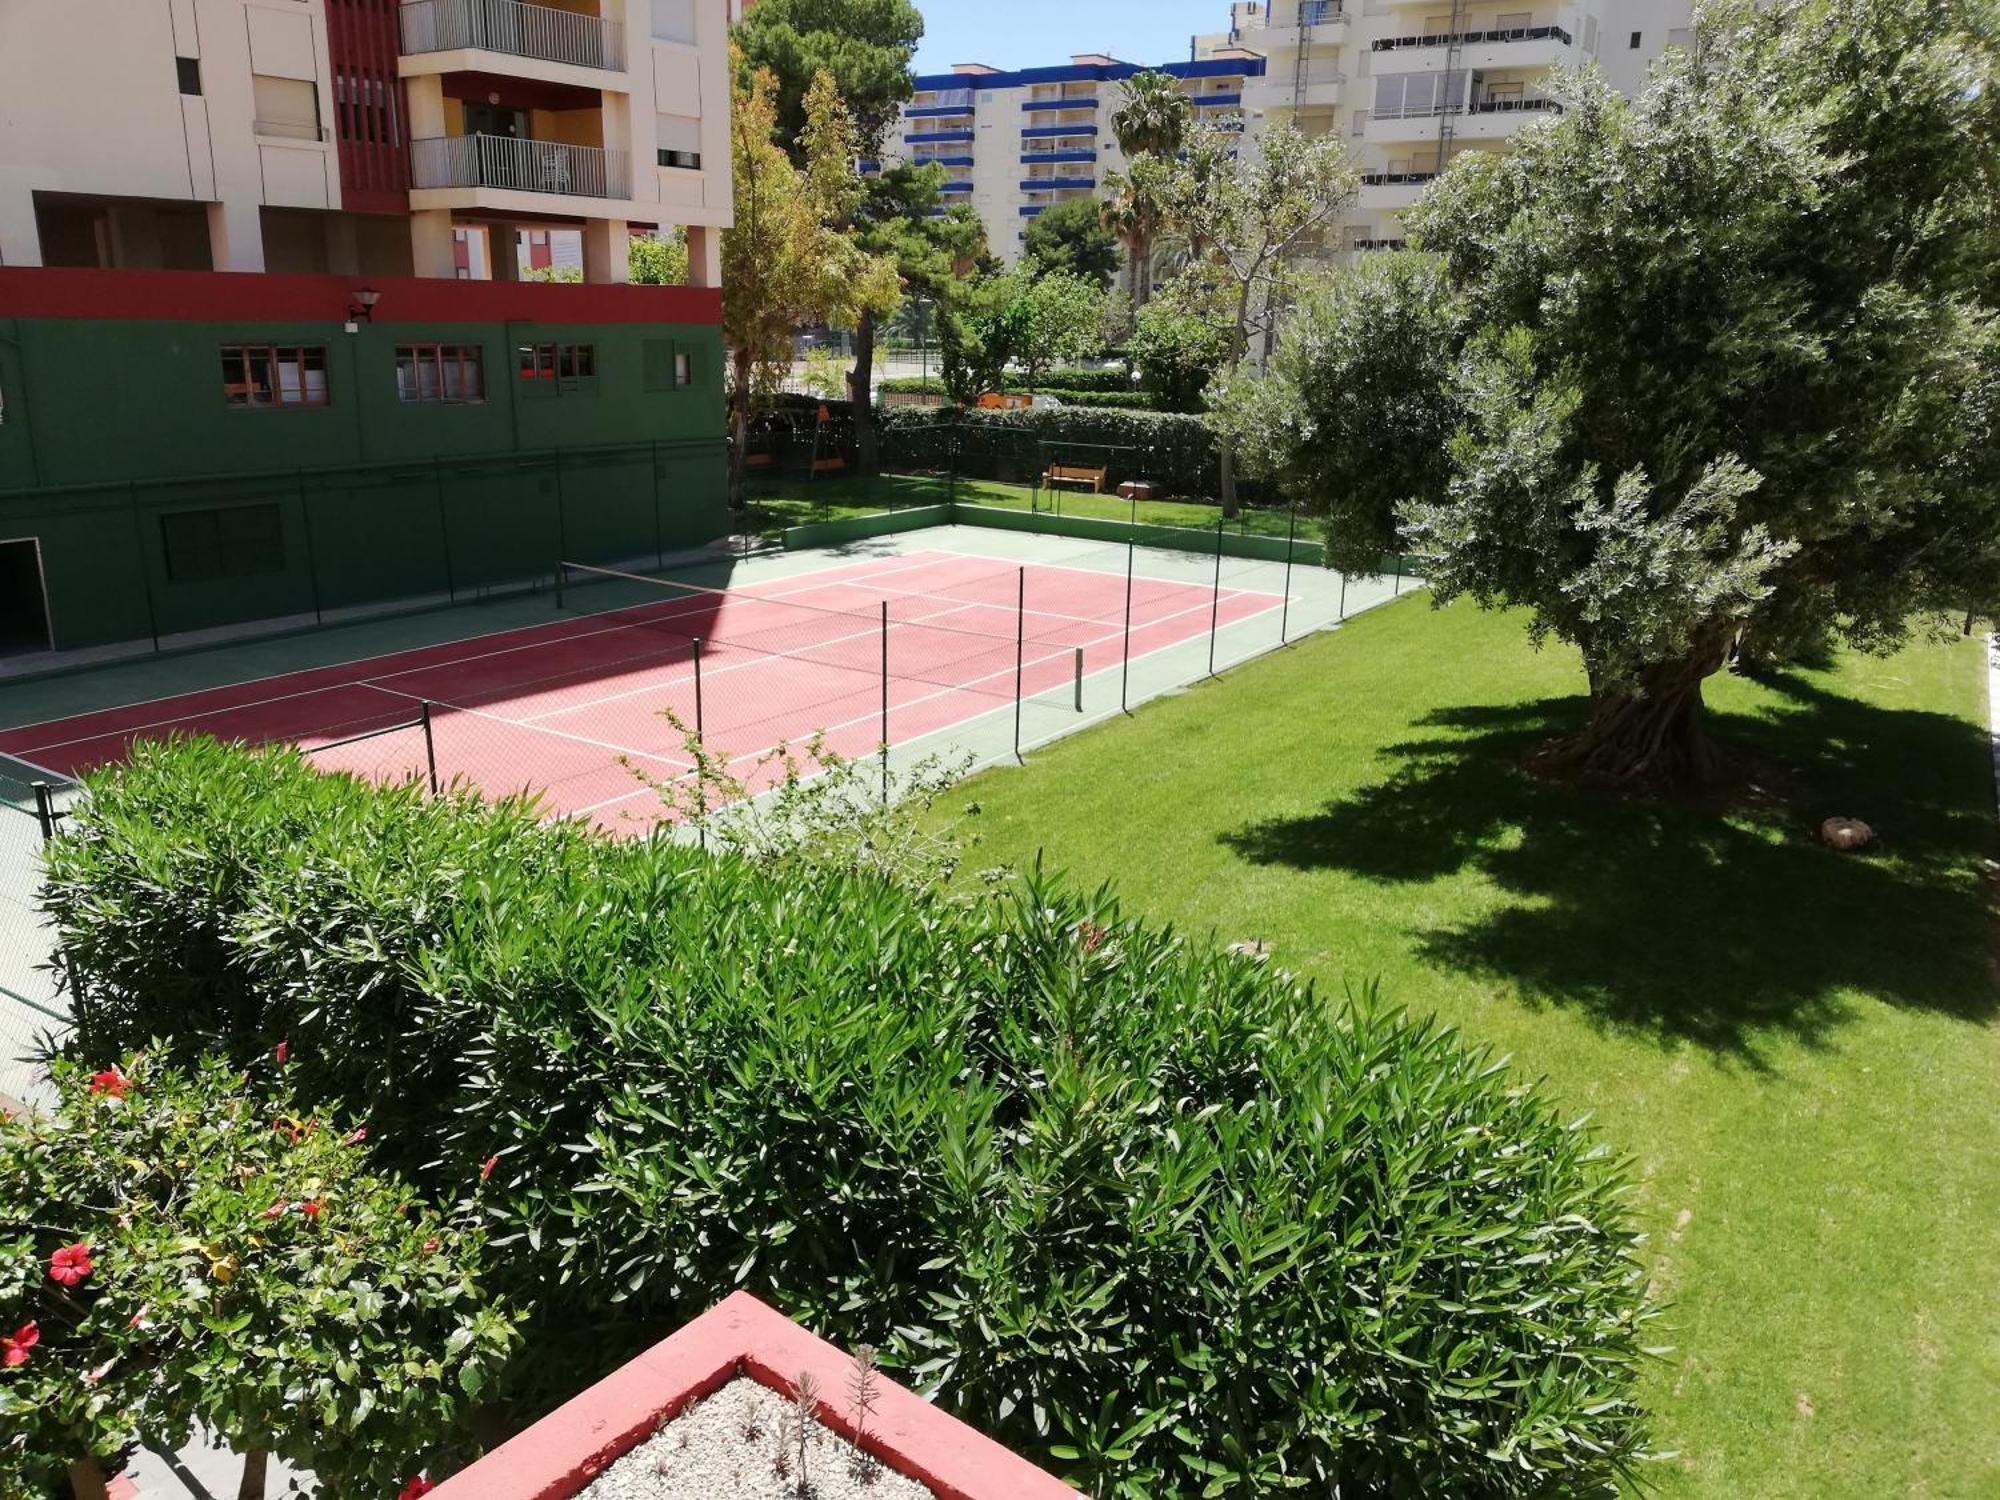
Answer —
267 349
1412 84
1016 144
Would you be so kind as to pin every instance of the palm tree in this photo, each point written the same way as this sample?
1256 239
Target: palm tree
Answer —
1153 121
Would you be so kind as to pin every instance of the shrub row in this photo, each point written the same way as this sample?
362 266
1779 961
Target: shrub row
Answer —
1104 382
1167 448
1148 1212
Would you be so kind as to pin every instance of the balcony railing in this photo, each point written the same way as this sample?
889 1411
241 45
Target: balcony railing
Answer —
1395 179
538 31
498 161
1471 38
1515 106
1044 106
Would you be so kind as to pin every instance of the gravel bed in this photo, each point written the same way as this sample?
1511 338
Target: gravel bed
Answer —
727 1448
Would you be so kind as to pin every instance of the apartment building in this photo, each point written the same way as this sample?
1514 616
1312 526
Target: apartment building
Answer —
266 349
1413 84
1014 144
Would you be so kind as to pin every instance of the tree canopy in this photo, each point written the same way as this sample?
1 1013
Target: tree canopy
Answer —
1715 368
864 46
1071 237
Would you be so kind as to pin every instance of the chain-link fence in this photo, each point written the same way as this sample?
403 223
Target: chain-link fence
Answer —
32 1004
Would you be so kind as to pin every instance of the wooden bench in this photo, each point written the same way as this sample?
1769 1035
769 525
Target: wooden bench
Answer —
829 466
1071 474
758 460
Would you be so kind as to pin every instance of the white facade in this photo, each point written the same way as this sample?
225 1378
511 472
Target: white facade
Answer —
1413 84
358 135
1014 144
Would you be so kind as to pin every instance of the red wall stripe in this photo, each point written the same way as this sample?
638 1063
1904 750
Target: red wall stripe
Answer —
254 297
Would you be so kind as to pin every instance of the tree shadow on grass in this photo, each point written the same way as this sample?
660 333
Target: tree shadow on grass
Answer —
1712 923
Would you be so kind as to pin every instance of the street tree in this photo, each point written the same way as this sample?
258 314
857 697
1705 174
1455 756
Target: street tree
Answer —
1071 236
864 46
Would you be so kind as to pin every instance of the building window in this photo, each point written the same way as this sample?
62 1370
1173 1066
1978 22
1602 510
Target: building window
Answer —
240 541
188 70
550 369
259 375
688 159
447 374
668 367
1635 41
285 107
683 370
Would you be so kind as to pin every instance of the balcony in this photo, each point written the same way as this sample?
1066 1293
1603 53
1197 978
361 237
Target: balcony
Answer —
1216 101
1505 48
937 111
541 32
1045 106
1055 158
1469 38
1049 184
1046 132
1321 88
938 138
1288 26
1392 190
516 166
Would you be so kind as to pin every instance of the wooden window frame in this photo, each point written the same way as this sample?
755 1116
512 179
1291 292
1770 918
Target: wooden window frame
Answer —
238 383
557 367
462 357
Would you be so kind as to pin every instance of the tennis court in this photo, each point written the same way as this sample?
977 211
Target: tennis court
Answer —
900 649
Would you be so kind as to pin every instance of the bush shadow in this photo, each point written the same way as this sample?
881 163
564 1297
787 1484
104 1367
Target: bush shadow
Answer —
1709 922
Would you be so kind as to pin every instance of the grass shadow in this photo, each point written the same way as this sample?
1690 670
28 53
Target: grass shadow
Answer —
1711 923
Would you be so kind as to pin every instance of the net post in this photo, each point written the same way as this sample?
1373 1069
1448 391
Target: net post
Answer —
885 702
45 811
430 743
1215 605
1079 679
1020 652
1291 542
1125 673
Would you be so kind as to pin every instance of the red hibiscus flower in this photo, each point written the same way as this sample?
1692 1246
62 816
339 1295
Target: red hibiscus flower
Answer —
486 1169
111 1082
16 1348
310 1208
70 1266
284 1052
416 1487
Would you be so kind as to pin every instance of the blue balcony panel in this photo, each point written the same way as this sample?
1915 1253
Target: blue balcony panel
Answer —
939 138
867 166
955 187
937 111
1028 211
942 161
1035 106
1044 184
1037 132
1055 158
1216 101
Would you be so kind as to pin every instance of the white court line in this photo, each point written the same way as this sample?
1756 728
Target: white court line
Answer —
971 686
364 679
581 739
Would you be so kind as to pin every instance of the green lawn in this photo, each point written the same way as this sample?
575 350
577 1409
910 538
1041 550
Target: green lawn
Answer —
776 505
1798 1049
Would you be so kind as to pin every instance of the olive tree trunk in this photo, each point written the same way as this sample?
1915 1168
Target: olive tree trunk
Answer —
1655 732
256 1466
86 1479
739 427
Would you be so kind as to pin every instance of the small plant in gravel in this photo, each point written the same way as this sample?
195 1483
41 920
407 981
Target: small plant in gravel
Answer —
863 1390
189 1246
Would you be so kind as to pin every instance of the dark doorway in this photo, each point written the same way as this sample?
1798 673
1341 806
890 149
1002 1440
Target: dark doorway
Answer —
24 608
490 119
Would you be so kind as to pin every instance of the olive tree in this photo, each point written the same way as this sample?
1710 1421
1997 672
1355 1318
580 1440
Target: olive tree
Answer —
1704 372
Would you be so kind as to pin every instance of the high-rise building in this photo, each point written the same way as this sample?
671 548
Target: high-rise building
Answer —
266 346
1015 144
1413 84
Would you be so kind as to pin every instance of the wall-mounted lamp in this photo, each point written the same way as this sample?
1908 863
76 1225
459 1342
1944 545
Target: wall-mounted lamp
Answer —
361 304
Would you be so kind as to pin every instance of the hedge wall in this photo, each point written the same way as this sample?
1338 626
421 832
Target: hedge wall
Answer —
1150 1213
1168 448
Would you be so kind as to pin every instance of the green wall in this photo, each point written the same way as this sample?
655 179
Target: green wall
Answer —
109 425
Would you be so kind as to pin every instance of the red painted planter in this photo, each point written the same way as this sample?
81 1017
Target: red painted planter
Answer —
563 1452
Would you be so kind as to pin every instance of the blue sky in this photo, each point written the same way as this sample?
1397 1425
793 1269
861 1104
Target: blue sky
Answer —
1035 33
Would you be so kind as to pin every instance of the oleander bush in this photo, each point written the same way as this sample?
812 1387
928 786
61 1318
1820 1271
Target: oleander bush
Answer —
1168 448
1159 1217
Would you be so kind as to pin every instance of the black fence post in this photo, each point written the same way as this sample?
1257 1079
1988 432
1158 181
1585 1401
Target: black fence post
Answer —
1125 676
45 810
444 529
1343 593
659 527
145 563
885 702
1396 592
562 526
1215 608
1291 542
701 753
312 564
1020 653
430 743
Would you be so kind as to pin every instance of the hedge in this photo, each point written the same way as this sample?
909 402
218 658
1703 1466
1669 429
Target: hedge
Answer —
1168 448
1101 382
1153 1214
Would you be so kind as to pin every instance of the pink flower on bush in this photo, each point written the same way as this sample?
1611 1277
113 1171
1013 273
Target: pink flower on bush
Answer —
70 1266
360 1134
486 1168
111 1081
284 1052
275 1211
1093 936
416 1487
431 1245
14 1350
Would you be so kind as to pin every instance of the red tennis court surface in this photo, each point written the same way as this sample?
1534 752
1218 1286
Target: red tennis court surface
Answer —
573 708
